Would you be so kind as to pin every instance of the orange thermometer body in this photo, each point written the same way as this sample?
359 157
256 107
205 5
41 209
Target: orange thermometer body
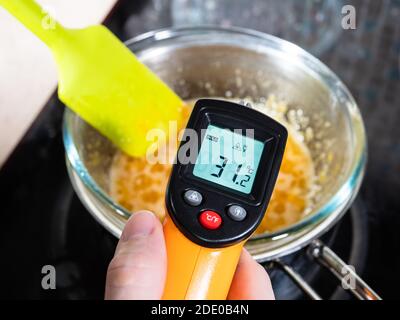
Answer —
219 189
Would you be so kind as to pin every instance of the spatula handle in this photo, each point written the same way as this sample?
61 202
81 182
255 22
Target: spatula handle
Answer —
36 19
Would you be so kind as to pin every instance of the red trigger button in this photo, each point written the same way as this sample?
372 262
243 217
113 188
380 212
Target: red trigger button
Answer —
210 220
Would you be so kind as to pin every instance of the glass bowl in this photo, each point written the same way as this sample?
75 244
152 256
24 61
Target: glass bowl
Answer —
206 61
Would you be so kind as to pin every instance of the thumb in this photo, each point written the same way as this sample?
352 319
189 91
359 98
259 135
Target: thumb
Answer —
138 268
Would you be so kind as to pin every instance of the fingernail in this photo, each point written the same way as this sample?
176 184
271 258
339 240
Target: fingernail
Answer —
141 223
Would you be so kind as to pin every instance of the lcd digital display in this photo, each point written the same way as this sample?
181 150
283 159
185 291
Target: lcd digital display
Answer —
229 158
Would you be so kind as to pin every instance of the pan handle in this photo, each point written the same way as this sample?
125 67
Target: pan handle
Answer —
297 279
346 274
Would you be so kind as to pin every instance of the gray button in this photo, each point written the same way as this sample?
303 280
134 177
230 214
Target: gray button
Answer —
237 213
193 198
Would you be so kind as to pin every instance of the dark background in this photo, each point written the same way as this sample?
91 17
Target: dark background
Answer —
43 222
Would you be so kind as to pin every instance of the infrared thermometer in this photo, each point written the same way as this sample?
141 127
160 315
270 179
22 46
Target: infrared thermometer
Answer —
219 189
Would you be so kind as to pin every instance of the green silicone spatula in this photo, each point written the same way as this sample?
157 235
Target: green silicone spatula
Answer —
102 81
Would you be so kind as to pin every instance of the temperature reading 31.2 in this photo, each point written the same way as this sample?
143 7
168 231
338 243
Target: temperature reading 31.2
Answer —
228 159
243 178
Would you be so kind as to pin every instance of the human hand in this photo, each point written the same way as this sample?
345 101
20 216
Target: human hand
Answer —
138 269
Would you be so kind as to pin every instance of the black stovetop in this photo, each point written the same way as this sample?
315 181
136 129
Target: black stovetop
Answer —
44 223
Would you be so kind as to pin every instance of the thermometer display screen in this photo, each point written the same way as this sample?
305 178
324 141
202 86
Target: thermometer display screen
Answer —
229 158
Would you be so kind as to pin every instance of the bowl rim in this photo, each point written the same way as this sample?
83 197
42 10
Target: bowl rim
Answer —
343 195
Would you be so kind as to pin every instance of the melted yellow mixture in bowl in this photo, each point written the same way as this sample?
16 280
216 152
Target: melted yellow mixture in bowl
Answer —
137 185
